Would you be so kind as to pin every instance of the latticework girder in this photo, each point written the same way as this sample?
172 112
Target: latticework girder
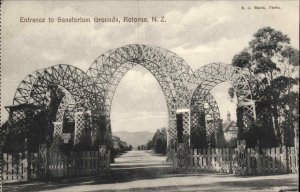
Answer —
213 74
66 105
172 73
78 92
72 89
83 127
35 87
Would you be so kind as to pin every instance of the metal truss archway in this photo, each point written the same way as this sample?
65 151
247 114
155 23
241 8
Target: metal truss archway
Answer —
36 87
172 73
59 90
88 96
202 101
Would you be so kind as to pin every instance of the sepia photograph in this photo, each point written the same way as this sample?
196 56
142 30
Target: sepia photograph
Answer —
150 96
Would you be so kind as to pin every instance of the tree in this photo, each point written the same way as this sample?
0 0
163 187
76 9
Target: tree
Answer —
270 57
149 145
266 47
130 148
290 61
242 60
158 142
289 101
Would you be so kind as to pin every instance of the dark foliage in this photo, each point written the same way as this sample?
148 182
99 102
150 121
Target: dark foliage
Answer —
270 58
158 142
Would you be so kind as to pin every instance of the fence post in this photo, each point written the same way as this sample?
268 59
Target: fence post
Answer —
293 159
204 159
278 162
191 164
296 144
209 158
284 156
219 159
66 162
28 160
248 163
213 158
27 166
102 154
174 158
258 161
43 162
269 160
179 155
1 159
241 156
273 159
200 159
195 159
108 160
229 160
296 139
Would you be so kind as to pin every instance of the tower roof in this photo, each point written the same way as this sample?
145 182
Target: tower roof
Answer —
228 116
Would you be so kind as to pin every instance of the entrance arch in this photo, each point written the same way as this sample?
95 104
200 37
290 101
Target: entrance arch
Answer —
202 102
56 90
187 93
172 73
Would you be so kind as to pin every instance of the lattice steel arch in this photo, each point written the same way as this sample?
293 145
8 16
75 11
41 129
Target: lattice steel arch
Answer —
35 89
172 73
212 74
66 111
210 109
67 105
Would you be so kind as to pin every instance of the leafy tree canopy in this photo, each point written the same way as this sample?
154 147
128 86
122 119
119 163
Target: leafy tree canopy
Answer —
270 57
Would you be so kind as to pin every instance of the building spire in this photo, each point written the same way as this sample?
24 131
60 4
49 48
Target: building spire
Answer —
228 116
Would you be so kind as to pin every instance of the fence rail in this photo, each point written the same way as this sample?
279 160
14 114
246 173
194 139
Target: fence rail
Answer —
26 166
250 161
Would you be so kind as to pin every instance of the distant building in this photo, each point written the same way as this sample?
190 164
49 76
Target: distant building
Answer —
230 128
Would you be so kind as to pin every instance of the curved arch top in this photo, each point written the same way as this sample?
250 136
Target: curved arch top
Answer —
202 101
172 73
36 87
214 73
186 92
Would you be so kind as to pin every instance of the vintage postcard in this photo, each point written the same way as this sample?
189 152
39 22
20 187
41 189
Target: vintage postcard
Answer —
146 95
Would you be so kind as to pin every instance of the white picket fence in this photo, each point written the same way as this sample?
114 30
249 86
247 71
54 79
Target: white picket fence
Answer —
26 166
250 161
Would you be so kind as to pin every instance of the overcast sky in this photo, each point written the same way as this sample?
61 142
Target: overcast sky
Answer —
199 32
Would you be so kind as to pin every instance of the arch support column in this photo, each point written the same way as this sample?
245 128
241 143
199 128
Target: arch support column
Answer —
82 132
198 129
98 131
183 125
57 131
249 113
